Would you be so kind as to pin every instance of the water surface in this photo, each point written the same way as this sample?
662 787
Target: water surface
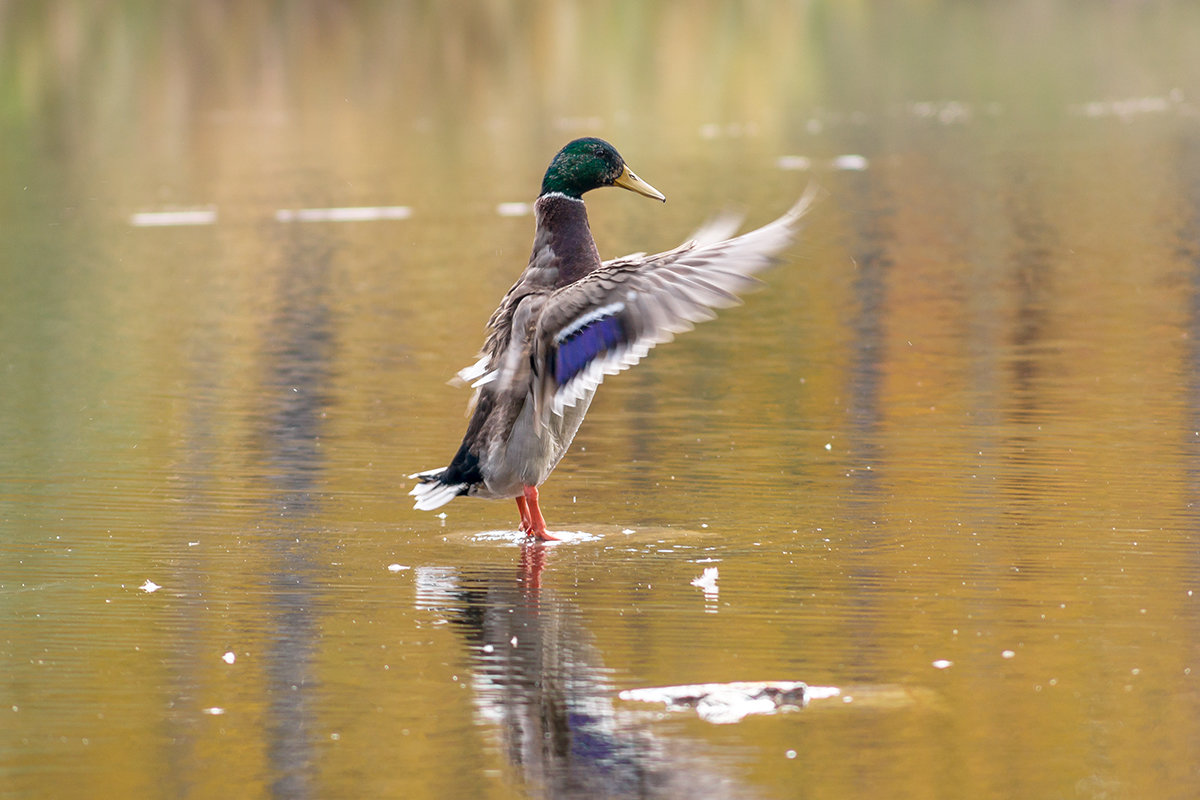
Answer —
946 461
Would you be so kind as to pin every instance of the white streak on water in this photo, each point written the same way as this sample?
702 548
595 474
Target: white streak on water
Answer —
158 219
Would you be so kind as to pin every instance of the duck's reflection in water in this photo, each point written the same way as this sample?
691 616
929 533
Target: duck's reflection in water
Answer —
540 684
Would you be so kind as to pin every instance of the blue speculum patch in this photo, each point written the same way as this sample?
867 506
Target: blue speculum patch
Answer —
585 345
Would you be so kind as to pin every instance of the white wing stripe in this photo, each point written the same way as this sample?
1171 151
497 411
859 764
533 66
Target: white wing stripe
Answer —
587 319
475 372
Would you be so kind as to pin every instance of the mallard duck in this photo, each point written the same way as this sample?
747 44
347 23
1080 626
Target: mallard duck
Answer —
571 319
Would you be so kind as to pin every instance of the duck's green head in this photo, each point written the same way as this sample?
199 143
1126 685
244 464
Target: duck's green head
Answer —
587 164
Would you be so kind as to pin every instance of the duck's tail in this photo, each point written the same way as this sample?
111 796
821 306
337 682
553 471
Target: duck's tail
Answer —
432 492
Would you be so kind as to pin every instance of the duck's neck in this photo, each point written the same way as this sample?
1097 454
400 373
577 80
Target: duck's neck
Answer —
563 249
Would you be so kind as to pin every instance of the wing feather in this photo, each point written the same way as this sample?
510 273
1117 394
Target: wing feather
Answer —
610 319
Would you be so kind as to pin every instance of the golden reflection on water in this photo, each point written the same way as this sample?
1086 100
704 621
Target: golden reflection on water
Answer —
959 425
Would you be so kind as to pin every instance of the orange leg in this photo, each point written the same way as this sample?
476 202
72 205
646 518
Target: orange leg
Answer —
537 525
524 509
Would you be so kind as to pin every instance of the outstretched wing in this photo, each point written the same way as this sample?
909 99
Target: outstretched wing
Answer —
609 320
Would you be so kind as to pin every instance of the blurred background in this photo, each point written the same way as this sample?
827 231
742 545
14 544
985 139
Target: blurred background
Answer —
246 243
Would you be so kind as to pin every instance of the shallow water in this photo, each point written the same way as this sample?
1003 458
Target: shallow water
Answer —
945 462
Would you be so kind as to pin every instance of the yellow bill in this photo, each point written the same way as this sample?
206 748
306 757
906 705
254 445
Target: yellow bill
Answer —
627 180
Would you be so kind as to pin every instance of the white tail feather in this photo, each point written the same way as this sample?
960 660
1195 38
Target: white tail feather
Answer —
433 493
